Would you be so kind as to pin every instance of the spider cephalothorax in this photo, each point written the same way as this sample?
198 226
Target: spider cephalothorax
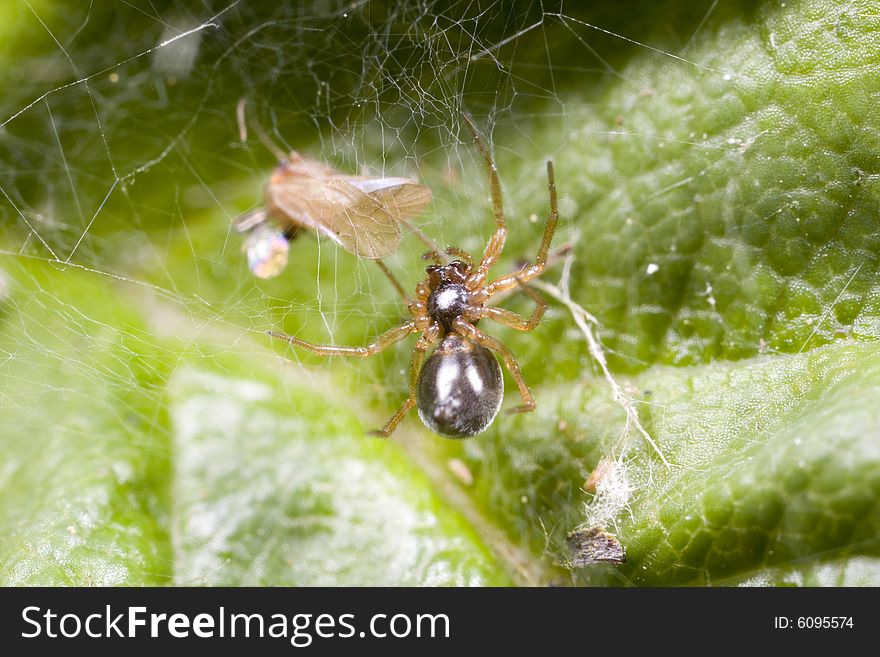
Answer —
459 389
448 297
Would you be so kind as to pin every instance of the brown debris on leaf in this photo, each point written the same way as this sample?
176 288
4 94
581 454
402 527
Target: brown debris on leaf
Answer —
593 544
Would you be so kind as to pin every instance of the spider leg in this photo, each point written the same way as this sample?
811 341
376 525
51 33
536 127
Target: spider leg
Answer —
393 280
382 342
415 230
476 335
459 253
552 219
496 242
433 256
428 338
511 319
527 273
271 146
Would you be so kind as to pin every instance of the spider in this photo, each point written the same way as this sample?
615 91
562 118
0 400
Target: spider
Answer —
459 390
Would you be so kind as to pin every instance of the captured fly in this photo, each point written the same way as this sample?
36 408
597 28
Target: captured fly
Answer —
363 215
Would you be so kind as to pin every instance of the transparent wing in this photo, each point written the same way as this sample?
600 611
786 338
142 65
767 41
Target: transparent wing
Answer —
361 214
401 197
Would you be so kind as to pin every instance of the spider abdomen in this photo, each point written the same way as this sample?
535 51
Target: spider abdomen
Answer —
460 388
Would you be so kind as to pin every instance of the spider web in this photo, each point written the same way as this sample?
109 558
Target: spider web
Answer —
120 135
123 160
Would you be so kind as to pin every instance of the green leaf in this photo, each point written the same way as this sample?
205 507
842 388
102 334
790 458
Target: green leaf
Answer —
285 489
718 183
775 461
220 476
85 450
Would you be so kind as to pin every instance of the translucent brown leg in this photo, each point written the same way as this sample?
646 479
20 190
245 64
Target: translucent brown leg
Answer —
427 241
392 279
415 368
552 219
511 319
433 256
496 242
529 272
382 342
475 335
462 255
249 219
271 146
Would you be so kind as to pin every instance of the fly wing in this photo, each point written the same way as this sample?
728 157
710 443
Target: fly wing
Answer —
337 209
401 197
360 214
362 222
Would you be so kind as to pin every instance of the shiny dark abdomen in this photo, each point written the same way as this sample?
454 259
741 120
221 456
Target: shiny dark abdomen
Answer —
460 388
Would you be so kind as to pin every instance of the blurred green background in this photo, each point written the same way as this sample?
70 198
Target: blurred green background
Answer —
717 167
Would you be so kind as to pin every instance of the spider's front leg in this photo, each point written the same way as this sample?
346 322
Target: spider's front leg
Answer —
496 242
529 272
381 343
506 317
393 280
